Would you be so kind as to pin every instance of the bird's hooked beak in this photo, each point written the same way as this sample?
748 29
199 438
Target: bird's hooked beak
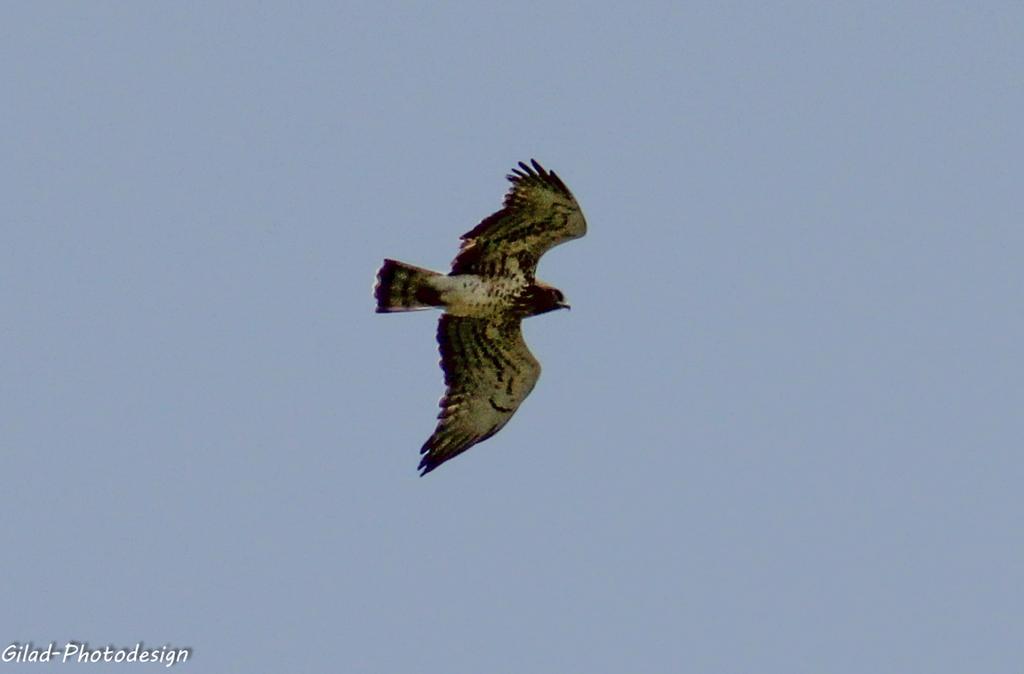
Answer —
563 305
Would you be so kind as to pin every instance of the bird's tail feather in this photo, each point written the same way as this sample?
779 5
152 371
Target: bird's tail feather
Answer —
403 287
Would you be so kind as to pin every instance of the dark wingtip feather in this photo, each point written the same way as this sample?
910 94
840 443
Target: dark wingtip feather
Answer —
536 170
428 462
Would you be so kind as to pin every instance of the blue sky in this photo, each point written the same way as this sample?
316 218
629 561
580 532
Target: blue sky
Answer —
780 431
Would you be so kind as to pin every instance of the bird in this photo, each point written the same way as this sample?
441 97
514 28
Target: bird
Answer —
491 288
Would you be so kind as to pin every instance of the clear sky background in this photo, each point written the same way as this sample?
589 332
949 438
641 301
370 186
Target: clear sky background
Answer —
780 431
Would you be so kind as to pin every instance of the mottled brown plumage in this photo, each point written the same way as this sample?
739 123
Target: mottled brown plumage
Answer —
492 286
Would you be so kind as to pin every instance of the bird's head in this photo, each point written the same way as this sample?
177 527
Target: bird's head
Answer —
543 298
559 299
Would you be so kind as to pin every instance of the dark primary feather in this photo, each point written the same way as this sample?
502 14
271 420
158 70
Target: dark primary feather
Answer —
488 372
538 214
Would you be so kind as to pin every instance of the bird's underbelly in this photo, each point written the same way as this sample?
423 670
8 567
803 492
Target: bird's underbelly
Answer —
471 295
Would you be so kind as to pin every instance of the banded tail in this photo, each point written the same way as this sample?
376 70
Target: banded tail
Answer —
403 287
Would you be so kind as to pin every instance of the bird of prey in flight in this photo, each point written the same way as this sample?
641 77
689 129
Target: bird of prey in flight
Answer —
491 288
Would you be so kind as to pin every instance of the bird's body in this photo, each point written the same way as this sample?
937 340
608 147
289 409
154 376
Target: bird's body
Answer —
472 295
488 369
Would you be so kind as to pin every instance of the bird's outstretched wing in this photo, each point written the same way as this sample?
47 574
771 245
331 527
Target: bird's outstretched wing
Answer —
488 372
538 214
